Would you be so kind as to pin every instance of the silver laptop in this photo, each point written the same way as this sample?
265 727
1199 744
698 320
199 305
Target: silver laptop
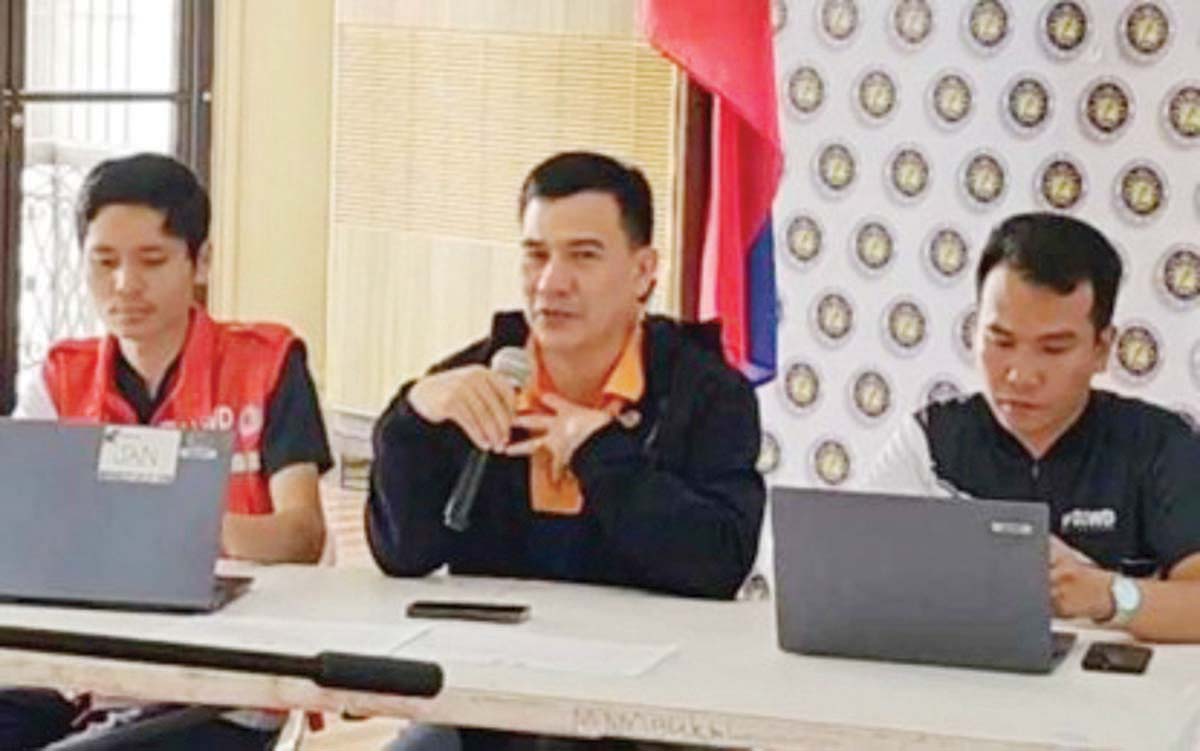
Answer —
101 515
928 580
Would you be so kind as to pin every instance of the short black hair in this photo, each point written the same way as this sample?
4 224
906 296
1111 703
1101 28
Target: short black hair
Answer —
574 172
152 180
1057 252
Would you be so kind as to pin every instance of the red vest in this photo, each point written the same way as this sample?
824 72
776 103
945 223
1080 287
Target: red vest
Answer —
226 375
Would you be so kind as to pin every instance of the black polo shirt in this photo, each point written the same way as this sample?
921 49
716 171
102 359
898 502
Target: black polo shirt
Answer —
293 431
1123 483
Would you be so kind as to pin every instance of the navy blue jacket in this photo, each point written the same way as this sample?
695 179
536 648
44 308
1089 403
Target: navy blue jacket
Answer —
672 504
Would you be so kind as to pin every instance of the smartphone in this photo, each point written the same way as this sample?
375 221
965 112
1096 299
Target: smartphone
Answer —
490 612
1112 657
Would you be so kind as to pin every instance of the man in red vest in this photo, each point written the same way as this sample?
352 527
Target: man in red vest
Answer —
143 226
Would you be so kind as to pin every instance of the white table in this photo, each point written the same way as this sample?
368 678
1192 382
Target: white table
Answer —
726 684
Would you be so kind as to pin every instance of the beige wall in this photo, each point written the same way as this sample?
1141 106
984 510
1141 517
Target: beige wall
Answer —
440 109
271 139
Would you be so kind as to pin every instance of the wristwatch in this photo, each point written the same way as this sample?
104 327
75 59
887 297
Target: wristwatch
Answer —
1127 600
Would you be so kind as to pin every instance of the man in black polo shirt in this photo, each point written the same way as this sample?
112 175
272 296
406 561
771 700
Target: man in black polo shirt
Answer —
1122 477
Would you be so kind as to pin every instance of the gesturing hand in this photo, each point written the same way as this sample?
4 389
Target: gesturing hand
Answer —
562 432
478 400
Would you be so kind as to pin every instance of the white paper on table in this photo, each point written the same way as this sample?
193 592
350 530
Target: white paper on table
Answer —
488 644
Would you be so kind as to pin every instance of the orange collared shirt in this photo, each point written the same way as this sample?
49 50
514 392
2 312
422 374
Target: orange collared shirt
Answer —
625 385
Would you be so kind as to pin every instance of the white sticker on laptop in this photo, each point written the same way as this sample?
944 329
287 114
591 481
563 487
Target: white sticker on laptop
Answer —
138 454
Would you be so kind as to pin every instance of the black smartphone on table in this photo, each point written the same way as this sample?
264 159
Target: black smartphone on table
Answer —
1114 657
488 612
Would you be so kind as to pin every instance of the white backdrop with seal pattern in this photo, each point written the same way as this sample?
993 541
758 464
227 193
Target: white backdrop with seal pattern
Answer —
910 128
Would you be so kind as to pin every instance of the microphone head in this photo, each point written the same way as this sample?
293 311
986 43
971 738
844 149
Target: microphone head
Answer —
515 364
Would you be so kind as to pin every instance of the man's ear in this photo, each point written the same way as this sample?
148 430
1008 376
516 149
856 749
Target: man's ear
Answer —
203 263
646 270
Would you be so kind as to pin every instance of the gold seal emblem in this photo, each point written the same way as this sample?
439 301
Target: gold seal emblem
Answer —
1107 108
872 394
779 15
804 239
1142 190
948 253
831 462
1061 183
965 328
984 179
1180 274
836 168
1028 104
802 385
1146 31
912 22
806 90
942 390
909 173
1138 351
906 325
835 317
988 24
839 20
876 95
874 246
769 454
951 99
1065 26
1183 113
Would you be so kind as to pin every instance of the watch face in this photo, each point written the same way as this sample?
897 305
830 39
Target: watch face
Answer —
1126 596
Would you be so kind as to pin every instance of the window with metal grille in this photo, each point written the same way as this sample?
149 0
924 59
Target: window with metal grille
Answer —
82 81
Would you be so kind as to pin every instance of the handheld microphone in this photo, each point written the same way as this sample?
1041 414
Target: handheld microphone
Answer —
514 364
